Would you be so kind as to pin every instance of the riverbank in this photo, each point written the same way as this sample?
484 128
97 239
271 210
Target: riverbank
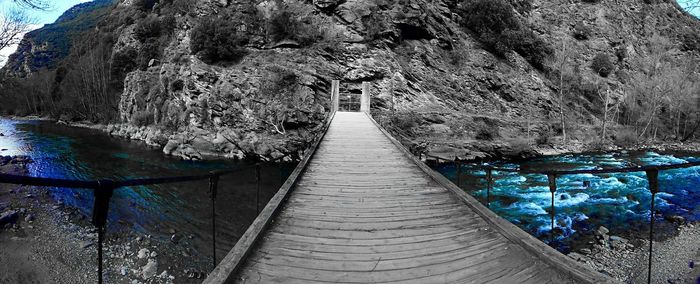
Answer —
44 241
198 143
675 258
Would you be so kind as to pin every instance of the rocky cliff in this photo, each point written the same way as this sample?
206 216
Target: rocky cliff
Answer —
433 81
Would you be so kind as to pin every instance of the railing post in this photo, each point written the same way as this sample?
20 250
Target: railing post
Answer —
257 192
552 179
335 95
489 184
458 164
213 188
103 193
653 177
365 98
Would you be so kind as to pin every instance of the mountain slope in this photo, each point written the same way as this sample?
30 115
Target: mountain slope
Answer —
255 83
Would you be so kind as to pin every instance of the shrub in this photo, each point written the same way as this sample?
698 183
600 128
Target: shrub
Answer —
500 31
123 62
519 147
690 42
487 132
168 24
602 65
522 6
148 27
625 138
377 25
621 53
183 6
284 25
144 5
405 121
532 48
582 31
543 138
217 39
142 118
148 51
489 17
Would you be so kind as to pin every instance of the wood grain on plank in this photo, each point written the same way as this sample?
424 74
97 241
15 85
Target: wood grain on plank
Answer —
363 212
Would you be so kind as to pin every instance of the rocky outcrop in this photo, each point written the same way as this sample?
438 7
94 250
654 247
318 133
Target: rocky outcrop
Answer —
432 82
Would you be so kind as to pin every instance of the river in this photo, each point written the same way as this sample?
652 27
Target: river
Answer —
583 202
61 151
620 201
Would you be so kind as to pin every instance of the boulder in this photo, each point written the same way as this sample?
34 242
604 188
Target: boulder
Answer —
150 269
143 253
327 4
675 219
8 217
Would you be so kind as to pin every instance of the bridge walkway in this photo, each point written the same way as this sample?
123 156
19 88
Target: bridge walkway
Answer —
364 212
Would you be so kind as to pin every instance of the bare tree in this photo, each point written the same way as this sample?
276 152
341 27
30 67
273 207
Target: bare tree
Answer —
13 24
605 98
34 4
562 62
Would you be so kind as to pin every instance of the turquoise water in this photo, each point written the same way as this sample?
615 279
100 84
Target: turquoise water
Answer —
61 151
619 201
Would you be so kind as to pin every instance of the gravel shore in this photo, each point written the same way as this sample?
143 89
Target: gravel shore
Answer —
675 259
44 241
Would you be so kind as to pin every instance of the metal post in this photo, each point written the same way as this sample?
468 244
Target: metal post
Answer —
100 239
257 184
552 188
213 188
103 193
653 177
458 164
489 184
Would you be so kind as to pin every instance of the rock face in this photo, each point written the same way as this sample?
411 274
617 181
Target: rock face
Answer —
431 79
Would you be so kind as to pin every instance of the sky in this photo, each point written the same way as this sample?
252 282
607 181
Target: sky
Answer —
684 3
41 17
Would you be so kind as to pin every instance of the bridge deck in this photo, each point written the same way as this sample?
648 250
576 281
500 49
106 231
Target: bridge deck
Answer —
363 212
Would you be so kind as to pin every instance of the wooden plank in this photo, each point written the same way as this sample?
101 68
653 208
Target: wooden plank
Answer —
224 272
365 211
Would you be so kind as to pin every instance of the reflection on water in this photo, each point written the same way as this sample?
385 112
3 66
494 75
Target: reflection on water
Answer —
61 151
619 201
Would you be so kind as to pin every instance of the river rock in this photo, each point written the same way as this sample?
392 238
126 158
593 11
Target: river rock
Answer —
618 243
8 217
85 244
143 253
150 269
29 218
678 220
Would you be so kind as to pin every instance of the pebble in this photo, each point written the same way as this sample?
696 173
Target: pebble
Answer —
143 253
86 244
29 218
150 269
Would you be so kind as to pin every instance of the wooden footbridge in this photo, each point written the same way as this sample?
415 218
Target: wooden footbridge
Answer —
360 208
